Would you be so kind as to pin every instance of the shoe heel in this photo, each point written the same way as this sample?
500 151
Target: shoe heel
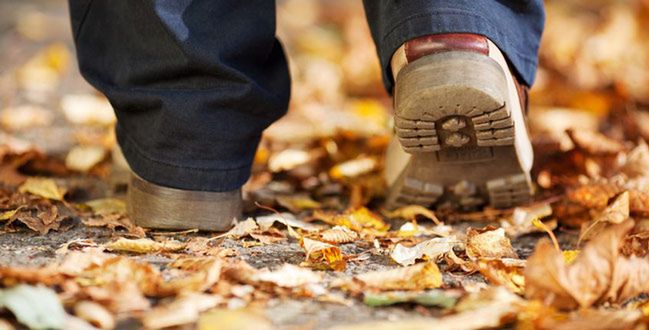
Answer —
452 100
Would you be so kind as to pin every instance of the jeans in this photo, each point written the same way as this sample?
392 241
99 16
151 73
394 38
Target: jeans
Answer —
195 82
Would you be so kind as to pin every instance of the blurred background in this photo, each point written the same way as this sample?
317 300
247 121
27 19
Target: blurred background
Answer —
594 74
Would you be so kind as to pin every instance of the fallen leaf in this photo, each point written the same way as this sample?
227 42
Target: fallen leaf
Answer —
107 206
143 245
521 221
505 272
241 229
437 298
489 243
227 319
353 168
432 249
599 274
323 255
488 309
297 203
114 221
615 213
25 116
95 314
287 219
287 160
418 277
338 235
87 109
83 158
637 161
359 220
411 212
36 307
42 187
594 143
288 276
183 310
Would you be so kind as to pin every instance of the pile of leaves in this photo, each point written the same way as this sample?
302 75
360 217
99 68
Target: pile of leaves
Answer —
575 257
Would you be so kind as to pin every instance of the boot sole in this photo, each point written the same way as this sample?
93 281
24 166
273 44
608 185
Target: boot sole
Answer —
453 118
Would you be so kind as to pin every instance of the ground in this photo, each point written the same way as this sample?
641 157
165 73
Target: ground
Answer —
59 155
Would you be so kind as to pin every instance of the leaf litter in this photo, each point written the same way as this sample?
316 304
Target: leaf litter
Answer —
335 245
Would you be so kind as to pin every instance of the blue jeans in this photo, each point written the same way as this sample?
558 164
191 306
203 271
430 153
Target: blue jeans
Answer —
195 82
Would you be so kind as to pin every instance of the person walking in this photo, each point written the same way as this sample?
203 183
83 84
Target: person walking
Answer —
195 82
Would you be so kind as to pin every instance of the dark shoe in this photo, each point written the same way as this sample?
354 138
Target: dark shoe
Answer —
153 206
460 127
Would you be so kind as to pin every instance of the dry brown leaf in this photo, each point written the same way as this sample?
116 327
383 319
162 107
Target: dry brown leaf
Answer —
637 161
359 220
322 255
595 143
289 276
353 168
488 309
411 212
297 203
489 242
506 272
242 229
41 217
615 213
95 314
418 277
107 206
83 158
143 245
114 221
287 219
432 249
338 235
228 319
599 274
185 309
201 273
521 220
42 187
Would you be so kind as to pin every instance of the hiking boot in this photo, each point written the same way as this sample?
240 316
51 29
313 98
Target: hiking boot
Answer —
153 206
461 138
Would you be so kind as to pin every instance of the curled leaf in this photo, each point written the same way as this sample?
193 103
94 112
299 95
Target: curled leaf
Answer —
42 187
323 255
433 249
411 212
489 243
338 235
143 245
418 277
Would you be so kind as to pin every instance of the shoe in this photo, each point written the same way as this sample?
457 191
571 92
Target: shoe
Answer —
152 206
461 138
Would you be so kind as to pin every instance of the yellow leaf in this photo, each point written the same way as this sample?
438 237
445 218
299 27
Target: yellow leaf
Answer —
8 214
411 212
353 168
323 255
42 187
506 272
106 206
358 220
298 203
143 245
569 256
339 235
418 277
228 319
489 243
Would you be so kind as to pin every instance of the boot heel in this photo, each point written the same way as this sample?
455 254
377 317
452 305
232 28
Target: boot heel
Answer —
451 100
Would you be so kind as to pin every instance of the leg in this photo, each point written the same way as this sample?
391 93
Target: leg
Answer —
193 82
515 26
459 115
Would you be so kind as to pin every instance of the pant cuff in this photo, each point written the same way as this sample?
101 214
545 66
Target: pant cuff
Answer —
455 21
183 177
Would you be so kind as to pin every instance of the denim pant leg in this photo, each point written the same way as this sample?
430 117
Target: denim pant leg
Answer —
193 82
515 26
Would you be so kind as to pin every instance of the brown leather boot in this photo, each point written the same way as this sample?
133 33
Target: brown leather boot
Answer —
153 206
461 138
